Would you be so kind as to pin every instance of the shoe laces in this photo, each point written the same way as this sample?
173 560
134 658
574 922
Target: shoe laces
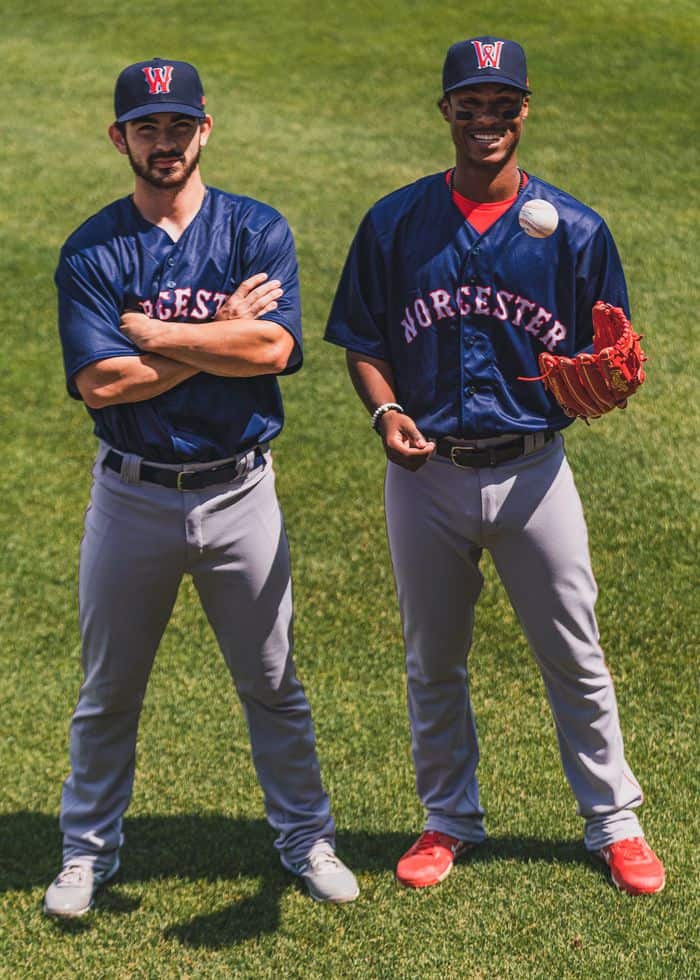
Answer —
72 874
632 848
431 839
323 861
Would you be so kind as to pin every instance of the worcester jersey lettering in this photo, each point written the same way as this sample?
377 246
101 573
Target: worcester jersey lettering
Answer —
462 314
119 261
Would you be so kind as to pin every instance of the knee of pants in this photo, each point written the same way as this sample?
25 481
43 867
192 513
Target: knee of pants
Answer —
107 699
272 688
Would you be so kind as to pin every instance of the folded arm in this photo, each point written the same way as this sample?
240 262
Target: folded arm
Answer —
121 380
236 344
231 348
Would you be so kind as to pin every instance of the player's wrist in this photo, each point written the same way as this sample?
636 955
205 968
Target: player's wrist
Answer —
379 413
164 337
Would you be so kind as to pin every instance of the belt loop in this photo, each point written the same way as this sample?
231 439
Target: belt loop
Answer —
131 468
245 463
249 461
532 441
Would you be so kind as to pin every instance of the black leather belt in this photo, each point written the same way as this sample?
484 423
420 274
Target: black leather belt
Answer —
185 479
464 453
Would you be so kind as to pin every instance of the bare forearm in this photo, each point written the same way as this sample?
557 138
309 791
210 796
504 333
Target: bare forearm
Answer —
372 379
238 348
123 380
404 444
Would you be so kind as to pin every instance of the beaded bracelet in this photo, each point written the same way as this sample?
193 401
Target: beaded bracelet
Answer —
382 410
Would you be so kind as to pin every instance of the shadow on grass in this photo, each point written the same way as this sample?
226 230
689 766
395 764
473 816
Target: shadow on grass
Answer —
212 847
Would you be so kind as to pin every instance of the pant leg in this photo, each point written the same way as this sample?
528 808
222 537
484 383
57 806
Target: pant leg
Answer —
432 525
243 577
131 561
539 544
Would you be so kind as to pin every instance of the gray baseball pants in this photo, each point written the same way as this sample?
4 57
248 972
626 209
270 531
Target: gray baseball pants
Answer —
528 514
140 539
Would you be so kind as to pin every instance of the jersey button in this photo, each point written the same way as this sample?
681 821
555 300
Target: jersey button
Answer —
171 262
469 390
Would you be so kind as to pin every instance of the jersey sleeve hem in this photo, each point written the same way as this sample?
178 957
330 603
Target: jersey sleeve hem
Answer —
86 361
356 348
296 358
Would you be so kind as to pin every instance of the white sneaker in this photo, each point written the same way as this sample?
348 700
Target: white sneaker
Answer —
325 876
71 893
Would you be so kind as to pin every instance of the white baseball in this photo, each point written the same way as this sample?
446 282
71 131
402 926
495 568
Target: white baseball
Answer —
538 218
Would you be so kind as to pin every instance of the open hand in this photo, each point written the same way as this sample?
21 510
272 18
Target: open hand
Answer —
253 298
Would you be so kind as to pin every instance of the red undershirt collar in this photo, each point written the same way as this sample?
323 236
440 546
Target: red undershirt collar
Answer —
481 214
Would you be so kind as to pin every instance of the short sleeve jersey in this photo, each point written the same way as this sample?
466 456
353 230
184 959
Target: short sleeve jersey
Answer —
119 261
461 315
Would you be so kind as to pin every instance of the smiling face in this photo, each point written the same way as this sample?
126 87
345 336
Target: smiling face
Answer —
486 123
163 148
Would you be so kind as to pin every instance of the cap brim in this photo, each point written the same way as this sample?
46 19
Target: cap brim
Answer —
153 108
489 80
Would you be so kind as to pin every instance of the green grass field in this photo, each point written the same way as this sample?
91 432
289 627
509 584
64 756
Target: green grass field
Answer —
319 110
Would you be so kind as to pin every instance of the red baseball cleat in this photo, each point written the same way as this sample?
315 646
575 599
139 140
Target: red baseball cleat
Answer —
430 859
634 866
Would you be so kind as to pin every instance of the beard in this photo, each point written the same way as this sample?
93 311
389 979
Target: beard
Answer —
159 180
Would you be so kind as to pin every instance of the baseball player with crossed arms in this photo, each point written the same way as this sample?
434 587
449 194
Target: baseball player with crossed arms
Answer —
178 305
447 307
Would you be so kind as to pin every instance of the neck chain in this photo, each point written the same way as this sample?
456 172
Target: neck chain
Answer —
521 179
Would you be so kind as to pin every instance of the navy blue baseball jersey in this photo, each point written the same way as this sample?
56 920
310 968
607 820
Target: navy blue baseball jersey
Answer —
461 315
119 261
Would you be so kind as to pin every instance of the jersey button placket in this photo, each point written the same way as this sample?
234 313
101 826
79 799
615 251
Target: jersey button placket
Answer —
170 282
467 340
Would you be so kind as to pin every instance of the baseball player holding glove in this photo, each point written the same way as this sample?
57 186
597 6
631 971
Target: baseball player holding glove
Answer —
467 307
177 307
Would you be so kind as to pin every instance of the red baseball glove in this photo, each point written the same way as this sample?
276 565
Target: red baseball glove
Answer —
589 385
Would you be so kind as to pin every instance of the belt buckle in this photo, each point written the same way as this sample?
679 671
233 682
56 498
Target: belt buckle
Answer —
461 449
178 481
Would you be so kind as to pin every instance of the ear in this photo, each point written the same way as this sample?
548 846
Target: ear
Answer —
205 129
117 138
443 105
526 107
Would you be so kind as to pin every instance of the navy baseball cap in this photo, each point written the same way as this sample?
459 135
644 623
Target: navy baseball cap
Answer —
485 59
158 85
